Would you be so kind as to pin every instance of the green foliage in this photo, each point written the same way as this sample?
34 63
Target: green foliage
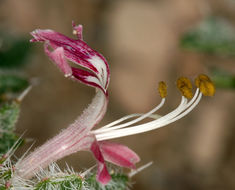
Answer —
9 113
223 79
7 139
119 182
6 172
12 83
213 35
6 175
2 187
72 181
13 52
53 178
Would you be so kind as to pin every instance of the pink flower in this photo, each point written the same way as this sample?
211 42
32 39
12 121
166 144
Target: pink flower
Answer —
78 52
79 135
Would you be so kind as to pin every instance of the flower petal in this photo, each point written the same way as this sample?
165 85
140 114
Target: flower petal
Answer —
88 78
102 173
76 51
119 154
58 57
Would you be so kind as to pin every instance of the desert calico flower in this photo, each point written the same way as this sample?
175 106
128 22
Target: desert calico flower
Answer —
78 52
94 71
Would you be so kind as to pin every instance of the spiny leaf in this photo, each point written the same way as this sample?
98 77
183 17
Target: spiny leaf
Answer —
12 83
60 183
75 182
7 140
13 52
9 113
119 182
213 35
223 79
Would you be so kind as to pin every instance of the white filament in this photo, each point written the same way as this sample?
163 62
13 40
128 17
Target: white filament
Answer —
105 128
112 130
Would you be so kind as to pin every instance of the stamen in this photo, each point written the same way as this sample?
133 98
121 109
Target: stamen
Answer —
152 116
183 109
133 121
205 85
190 108
141 128
162 89
120 120
185 86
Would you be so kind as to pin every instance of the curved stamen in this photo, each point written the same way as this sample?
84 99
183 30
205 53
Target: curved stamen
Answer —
138 128
152 116
183 109
189 109
162 89
120 120
133 121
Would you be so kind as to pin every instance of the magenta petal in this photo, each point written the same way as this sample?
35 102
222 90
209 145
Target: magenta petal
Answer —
77 51
88 78
119 154
58 57
102 173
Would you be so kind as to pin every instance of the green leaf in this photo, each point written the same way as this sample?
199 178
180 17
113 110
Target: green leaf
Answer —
13 52
223 79
119 181
61 183
6 175
9 113
7 140
213 35
12 83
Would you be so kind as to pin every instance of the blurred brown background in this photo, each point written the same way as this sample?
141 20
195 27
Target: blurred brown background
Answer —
140 40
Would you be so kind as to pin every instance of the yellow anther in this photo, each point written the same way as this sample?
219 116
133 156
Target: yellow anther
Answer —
200 78
185 87
205 85
162 89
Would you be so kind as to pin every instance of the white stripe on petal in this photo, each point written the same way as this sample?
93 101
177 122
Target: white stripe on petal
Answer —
101 67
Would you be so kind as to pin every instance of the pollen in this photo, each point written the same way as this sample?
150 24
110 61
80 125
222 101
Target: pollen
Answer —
185 87
205 85
162 89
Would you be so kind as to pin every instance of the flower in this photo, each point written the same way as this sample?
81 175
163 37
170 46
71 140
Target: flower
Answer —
78 52
94 71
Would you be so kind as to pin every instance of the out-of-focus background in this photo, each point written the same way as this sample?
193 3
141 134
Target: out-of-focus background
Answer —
144 42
